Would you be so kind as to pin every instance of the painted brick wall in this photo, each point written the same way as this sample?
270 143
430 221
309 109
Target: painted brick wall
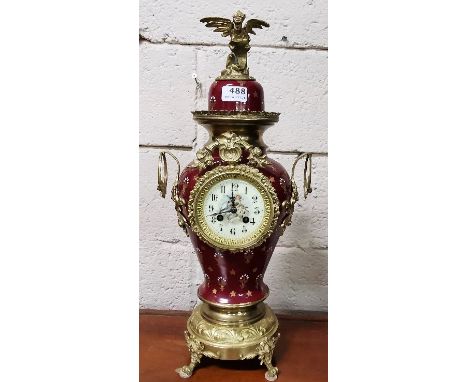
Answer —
290 61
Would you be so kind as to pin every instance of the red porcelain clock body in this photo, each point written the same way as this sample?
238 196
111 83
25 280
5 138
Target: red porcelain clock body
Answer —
235 276
232 274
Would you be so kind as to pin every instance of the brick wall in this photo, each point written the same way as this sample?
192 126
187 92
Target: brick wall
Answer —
290 60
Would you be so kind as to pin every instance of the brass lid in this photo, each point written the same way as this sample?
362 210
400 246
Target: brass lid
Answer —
240 117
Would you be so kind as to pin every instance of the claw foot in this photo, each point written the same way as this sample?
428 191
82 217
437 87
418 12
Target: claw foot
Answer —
196 348
265 354
272 375
184 371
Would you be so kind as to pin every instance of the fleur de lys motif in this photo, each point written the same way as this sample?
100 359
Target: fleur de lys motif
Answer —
243 280
258 280
222 282
248 255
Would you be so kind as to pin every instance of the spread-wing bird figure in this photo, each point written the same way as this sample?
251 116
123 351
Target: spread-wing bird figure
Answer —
236 65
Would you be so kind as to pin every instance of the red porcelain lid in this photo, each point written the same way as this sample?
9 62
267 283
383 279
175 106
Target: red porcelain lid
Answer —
236 95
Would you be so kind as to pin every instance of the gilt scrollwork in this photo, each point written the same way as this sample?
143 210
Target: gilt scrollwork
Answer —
288 205
230 147
307 172
265 354
196 352
204 158
228 335
162 187
179 204
231 335
216 339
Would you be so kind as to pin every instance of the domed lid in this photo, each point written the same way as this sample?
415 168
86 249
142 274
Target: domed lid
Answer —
235 89
236 95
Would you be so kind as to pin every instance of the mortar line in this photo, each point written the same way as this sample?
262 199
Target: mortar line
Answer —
294 152
193 279
195 139
218 45
168 147
190 148
186 243
301 248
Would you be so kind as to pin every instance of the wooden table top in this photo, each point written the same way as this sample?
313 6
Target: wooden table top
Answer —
301 353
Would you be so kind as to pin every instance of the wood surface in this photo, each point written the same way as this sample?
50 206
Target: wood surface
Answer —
301 353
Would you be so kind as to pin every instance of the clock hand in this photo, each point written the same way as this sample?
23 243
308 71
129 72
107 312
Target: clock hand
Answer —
233 200
220 212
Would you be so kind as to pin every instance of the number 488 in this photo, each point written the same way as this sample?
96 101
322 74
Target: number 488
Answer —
237 91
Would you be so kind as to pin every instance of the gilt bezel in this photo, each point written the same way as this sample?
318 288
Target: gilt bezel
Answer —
197 218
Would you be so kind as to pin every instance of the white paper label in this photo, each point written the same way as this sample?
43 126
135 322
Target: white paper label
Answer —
234 93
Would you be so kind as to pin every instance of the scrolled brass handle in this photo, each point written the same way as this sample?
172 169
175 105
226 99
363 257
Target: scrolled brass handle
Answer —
288 205
307 172
162 172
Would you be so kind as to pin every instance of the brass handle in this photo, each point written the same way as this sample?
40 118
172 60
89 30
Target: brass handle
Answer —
288 205
307 172
162 172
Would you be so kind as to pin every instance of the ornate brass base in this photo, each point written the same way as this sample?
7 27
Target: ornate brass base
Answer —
232 333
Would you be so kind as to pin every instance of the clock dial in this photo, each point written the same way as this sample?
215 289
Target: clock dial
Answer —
233 207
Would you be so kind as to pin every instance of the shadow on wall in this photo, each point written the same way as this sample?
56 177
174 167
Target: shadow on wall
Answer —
297 279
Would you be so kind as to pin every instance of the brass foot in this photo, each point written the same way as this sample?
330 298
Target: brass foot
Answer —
265 354
196 352
271 375
184 371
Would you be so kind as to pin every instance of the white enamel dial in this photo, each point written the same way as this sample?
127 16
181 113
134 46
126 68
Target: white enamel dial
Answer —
233 209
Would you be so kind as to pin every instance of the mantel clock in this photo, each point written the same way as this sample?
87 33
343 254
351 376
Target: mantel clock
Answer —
234 203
